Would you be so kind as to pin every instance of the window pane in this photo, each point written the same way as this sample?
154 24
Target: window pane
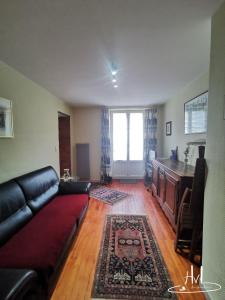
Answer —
119 136
136 136
198 121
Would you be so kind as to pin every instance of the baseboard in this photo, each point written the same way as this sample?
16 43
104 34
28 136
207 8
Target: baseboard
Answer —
95 180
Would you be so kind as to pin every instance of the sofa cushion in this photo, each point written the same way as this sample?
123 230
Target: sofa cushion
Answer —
14 212
70 205
39 187
70 187
38 244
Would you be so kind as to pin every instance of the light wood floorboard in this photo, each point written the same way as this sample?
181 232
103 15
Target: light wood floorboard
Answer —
76 279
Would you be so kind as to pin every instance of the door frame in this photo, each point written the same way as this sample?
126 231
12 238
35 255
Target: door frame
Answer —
68 164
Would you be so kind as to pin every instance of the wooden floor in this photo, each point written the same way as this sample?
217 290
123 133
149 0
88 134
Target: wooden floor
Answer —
75 282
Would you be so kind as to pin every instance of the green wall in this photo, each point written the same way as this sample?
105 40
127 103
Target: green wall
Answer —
214 210
174 111
35 142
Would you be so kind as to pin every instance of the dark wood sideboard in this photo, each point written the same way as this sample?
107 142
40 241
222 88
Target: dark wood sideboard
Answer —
169 180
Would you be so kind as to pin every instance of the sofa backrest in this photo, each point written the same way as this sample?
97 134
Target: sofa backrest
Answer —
14 212
39 187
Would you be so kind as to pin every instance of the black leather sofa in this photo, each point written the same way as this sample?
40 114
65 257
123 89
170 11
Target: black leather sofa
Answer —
20 284
39 217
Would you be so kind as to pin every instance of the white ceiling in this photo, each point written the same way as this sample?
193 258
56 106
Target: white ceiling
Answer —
67 46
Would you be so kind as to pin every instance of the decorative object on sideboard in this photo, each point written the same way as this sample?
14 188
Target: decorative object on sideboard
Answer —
174 154
201 151
66 175
186 152
6 118
192 148
195 114
169 128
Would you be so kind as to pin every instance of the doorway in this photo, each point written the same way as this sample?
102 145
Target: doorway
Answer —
64 142
127 136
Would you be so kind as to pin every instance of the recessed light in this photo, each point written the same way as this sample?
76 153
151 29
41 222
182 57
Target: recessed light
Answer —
114 72
114 80
115 86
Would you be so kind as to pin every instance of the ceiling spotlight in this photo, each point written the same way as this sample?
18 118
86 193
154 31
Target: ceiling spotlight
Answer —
115 86
114 80
114 72
114 69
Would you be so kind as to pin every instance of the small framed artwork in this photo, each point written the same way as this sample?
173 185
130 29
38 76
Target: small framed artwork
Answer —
169 128
6 118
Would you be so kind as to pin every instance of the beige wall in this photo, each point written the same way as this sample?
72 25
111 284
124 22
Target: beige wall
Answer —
214 210
174 111
35 143
87 129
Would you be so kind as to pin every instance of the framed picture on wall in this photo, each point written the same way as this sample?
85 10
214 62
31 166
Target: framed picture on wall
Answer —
195 114
6 119
169 128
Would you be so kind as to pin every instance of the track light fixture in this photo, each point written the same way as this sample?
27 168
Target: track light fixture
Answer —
114 71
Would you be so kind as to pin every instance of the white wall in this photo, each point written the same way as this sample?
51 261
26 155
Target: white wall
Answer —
35 118
87 129
174 111
214 210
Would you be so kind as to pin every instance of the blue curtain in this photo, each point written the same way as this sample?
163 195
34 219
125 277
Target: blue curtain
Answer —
105 144
150 140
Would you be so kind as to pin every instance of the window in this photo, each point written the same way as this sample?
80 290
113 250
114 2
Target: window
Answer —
136 136
127 136
119 136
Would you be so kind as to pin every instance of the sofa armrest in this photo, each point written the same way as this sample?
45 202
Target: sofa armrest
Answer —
71 187
19 284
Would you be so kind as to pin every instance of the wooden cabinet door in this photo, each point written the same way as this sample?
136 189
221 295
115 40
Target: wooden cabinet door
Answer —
171 194
169 180
154 179
161 191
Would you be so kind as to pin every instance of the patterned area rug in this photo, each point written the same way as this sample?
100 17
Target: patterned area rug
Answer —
130 265
107 195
